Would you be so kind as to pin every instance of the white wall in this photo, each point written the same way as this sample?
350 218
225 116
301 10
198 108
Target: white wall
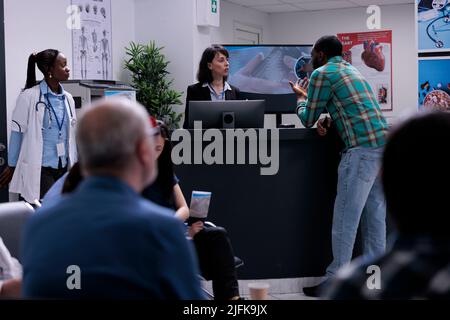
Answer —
307 27
232 13
171 25
37 25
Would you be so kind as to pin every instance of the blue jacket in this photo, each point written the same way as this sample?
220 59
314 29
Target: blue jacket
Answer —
125 247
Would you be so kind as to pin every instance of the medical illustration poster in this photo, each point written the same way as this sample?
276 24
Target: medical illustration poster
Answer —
434 83
371 54
91 43
433 25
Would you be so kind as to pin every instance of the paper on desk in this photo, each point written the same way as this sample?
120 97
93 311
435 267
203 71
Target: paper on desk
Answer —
199 204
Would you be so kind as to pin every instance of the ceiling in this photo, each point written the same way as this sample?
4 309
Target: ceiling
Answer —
276 6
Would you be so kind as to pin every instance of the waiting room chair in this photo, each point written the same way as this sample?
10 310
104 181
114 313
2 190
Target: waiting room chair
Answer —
13 216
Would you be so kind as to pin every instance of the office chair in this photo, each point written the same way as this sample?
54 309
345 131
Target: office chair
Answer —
13 216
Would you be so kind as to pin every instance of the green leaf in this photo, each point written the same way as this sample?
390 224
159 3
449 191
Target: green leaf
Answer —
148 67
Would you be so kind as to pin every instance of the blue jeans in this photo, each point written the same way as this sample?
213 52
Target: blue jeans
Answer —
359 198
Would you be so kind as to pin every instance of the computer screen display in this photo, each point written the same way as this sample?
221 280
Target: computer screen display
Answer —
264 72
227 113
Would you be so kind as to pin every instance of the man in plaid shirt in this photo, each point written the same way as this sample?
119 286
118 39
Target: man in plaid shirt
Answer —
337 87
418 265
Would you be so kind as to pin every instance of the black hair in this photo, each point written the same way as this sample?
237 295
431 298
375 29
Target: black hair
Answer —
415 175
165 177
331 46
44 60
73 179
204 73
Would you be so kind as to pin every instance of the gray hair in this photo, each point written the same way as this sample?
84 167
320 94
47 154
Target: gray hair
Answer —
109 131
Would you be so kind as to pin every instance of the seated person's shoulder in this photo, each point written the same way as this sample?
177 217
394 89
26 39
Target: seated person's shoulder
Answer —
195 87
235 89
153 212
51 206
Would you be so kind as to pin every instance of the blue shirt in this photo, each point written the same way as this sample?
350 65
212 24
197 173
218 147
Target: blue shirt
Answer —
15 142
125 246
214 95
51 134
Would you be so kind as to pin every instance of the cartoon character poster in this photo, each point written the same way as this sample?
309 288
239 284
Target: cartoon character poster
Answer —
433 25
434 83
371 54
91 43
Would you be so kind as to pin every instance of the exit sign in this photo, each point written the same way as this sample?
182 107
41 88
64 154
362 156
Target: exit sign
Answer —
208 13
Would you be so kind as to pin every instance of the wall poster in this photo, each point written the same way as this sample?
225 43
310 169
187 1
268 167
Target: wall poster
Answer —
91 44
433 25
434 83
371 54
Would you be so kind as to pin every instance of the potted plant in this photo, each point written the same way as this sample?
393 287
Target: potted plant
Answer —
148 66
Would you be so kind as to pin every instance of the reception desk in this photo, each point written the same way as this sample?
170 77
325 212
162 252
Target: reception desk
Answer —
280 224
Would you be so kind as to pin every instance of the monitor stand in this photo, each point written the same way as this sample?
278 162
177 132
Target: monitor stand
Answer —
279 118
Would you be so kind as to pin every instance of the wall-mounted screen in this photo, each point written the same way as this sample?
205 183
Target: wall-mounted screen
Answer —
264 72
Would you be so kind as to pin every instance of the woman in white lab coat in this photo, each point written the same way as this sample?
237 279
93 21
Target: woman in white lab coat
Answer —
42 144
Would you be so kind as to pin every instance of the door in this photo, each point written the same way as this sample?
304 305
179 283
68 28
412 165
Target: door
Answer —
244 34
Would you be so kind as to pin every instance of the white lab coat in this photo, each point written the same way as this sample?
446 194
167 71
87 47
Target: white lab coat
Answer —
9 266
27 175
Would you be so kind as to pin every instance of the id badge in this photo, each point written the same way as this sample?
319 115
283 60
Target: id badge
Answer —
61 149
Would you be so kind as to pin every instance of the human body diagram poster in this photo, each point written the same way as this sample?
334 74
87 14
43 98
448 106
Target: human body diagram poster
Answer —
91 43
371 54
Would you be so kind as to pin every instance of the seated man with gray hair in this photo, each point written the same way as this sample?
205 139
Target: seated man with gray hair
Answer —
104 240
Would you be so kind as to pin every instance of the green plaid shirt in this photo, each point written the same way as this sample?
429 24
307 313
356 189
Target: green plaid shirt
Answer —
339 88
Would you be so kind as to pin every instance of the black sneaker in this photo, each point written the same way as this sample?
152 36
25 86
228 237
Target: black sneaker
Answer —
315 291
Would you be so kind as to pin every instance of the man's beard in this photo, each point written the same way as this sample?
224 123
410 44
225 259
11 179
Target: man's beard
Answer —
317 64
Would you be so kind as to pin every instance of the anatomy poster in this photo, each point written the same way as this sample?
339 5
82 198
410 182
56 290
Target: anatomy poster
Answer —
371 54
91 44
434 83
433 25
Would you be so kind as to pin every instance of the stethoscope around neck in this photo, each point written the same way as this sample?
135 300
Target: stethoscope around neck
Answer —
46 106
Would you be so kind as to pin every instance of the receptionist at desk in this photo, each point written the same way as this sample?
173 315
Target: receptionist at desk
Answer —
212 80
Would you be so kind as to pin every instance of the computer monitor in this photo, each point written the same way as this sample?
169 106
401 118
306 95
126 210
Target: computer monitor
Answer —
227 114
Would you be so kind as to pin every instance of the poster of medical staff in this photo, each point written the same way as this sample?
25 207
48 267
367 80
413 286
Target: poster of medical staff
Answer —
433 25
91 43
434 83
371 54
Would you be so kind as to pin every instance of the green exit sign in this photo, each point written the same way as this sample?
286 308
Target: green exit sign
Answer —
214 6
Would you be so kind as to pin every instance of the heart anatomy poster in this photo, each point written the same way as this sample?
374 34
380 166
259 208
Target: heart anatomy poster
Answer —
371 54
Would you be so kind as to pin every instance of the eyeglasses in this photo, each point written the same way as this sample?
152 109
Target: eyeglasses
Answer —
158 127
163 130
